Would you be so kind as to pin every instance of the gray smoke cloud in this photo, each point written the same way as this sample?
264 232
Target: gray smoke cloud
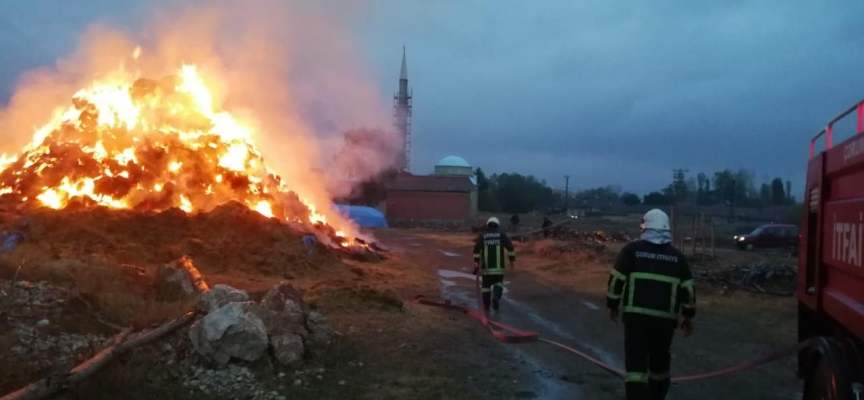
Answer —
291 69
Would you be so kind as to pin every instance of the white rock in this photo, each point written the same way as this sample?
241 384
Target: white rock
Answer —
230 332
219 296
43 322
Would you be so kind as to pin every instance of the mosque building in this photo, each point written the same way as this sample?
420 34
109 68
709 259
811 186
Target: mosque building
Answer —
448 194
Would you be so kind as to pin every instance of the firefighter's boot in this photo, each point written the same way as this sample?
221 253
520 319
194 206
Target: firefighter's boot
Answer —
486 297
497 292
658 388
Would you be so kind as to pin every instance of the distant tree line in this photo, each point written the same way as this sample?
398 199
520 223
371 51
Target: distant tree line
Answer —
726 187
514 193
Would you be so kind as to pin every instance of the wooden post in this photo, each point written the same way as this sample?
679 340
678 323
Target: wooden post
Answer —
702 238
693 236
672 225
713 254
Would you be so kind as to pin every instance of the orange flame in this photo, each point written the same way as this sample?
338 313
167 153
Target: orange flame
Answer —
151 145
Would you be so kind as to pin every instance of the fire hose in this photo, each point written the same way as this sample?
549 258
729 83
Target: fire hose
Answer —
508 334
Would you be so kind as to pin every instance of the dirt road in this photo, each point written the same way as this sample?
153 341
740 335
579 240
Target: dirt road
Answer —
575 315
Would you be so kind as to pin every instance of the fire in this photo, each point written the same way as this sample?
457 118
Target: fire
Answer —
148 144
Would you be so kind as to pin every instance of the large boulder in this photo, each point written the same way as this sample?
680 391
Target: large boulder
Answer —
283 311
219 296
281 296
241 329
288 320
231 331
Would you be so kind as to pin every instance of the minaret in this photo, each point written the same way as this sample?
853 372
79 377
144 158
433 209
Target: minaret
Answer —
402 114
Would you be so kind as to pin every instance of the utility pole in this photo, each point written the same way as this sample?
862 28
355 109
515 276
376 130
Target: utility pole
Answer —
677 183
566 194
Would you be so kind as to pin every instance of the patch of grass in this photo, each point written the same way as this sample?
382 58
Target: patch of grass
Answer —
358 300
119 294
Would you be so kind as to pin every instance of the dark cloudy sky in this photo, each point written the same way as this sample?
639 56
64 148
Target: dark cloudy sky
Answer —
615 93
606 91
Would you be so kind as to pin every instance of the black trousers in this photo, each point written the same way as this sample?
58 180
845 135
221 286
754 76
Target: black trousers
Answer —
492 287
646 356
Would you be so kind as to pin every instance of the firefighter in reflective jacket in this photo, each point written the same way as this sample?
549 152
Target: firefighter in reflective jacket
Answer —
489 256
652 281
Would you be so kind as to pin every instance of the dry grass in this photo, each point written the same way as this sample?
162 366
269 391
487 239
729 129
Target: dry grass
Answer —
774 318
586 271
116 293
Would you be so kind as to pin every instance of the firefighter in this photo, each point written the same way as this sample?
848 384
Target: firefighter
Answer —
514 222
546 224
653 282
489 248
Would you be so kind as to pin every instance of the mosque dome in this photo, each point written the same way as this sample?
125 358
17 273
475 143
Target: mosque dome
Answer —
455 166
453 161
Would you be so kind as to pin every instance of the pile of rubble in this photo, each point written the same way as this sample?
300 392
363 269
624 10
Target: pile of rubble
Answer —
598 237
759 277
280 325
561 248
227 381
232 335
29 294
30 309
444 226
234 327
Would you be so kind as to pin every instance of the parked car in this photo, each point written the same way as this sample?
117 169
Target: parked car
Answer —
769 236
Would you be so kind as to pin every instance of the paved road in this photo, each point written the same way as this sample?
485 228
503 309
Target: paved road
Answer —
579 320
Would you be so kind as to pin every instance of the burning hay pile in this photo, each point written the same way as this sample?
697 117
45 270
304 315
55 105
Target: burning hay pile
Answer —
760 277
155 145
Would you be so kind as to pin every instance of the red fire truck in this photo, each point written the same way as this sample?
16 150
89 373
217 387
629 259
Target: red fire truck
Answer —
830 273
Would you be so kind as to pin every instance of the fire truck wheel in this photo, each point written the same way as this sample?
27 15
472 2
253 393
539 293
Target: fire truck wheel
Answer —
830 375
818 383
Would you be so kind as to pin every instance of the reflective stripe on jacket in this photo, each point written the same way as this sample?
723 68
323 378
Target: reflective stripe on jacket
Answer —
489 250
652 279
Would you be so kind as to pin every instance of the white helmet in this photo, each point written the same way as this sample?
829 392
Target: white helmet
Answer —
655 219
493 220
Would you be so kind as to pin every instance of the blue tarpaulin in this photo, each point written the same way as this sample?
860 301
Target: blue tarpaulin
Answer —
365 217
10 240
